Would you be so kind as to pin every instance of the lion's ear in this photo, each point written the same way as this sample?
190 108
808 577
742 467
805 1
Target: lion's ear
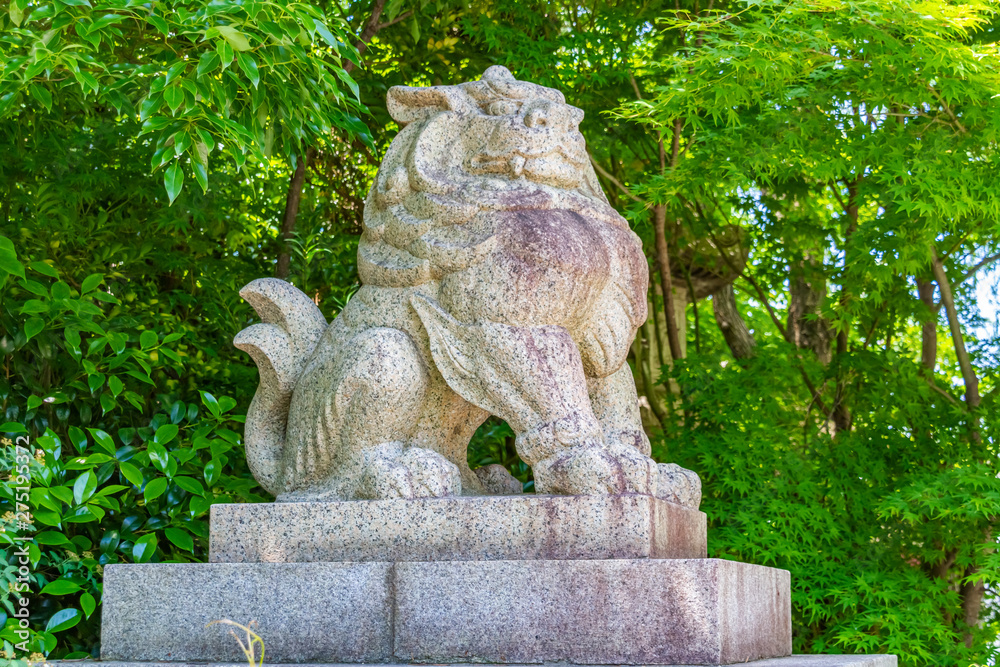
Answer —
407 104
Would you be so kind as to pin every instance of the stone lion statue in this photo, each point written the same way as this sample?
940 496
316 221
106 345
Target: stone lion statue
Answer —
497 280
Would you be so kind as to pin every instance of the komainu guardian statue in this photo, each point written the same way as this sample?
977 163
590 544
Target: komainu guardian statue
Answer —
497 280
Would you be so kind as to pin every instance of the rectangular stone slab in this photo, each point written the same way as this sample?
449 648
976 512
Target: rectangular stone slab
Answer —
789 661
524 527
618 611
635 612
307 612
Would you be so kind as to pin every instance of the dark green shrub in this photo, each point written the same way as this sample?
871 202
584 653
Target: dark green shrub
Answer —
119 471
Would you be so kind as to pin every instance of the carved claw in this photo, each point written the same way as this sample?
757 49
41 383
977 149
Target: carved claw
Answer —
416 473
678 485
596 469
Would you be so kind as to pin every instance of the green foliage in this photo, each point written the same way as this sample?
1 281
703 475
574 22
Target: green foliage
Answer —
493 443
852 142
120 472
189 77
865 555
120 296
847 140
892 105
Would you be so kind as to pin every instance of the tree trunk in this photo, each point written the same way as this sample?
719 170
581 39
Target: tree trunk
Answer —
807 330
972 602
968 373
641 353
292 202
662 249
738 337
658 315
694 308
666 282
972 592
928 328
294 197
841 413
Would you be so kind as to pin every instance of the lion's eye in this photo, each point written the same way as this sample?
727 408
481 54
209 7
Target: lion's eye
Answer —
501 108
536 118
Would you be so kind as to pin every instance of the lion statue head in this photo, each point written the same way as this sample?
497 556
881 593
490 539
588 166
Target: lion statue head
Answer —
497 144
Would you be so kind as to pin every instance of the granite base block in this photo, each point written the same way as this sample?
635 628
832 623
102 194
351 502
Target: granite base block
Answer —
464 528
789 661
306 612
621 611
701 611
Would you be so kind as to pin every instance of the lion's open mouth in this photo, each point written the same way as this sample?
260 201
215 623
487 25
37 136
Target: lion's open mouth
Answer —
514 162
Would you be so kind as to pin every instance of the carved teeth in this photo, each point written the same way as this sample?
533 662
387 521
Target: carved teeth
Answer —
517 165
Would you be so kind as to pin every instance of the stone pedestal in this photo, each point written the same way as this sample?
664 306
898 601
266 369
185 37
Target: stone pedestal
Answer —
305 612
628 612
527 527
583 580
625 611
789 661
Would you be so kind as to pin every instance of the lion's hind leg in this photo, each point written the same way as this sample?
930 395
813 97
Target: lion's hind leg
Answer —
367 403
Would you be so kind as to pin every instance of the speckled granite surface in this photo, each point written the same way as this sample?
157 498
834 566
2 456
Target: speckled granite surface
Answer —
307 612
790 661
525 527
703 611
496 280
624 611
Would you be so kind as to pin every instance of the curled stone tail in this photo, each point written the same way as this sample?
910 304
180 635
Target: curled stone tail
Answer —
280 346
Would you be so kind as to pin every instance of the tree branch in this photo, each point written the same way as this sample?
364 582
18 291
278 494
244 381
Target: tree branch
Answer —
292 201
294 196
666 279
738 337
932 385
767 305
402 17
968 374
983 262
947 108
635 86
614 181
369 31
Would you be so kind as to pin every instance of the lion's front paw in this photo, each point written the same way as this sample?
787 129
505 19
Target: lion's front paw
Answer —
498 481
596 469
678 485
431 474
416 473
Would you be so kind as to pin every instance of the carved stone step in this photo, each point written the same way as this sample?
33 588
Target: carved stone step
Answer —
624 611
524 527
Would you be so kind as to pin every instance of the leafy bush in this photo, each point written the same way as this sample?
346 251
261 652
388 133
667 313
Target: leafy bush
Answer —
249 78
120 472
120 300
867 522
